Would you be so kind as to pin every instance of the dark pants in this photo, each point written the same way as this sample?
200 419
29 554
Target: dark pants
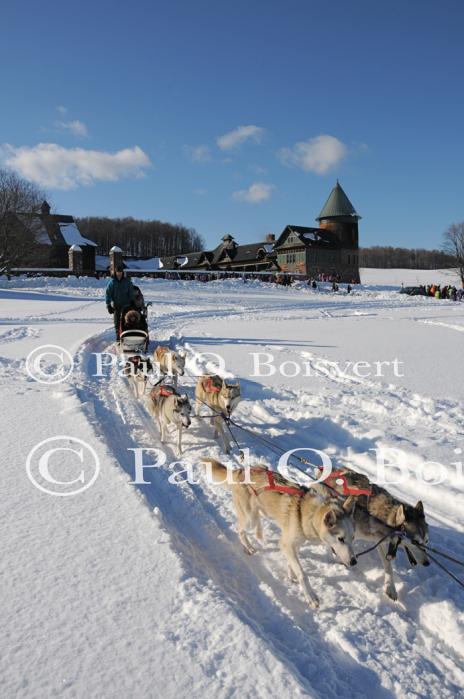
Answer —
117 319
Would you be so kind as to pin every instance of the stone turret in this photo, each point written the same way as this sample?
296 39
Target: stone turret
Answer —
339 216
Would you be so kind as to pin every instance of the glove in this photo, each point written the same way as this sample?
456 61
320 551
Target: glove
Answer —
110 309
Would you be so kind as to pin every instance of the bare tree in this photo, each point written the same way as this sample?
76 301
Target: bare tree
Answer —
453 244
19 201
140 238
385 257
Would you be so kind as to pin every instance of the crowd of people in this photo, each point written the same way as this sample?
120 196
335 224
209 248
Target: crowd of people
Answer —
438 292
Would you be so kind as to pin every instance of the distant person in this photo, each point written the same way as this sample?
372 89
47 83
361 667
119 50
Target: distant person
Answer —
348 289
119 294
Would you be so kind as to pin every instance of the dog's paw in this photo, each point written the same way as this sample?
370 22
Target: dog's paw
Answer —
391 592
250 550
291 575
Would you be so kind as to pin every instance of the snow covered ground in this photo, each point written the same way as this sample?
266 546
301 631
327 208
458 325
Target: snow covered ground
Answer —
408 277
143 590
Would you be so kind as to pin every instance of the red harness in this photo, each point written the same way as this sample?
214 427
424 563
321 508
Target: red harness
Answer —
210 387
158 391
272 485
347 489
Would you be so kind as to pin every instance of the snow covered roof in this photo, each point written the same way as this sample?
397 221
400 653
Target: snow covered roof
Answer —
72 235
102 264
42 237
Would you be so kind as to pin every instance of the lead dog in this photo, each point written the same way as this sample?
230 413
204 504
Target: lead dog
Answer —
170 408
137 369
170 362
377 514
222 397
301 516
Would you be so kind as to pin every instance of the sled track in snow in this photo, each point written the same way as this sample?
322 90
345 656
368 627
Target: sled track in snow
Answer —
357 645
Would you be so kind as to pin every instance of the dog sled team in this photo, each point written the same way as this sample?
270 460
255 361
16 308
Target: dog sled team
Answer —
317 513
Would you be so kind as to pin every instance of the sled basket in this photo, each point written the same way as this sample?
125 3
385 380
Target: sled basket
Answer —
133 341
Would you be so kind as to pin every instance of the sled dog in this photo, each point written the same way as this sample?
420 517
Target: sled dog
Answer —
301 516
170 362
170 408
221 397
137 369
374 517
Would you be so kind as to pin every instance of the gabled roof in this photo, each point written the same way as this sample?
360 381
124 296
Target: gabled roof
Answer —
62 230
338 205
72 235
308 236
228 251
53 229
225 249
250 252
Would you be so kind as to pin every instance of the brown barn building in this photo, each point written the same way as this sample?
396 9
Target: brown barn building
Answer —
330 250
51 237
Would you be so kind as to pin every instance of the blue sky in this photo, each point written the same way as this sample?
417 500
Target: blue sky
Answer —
131 101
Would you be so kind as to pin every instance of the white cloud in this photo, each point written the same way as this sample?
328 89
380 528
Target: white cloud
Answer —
76 127
255 194
51 165
61 109
319 154
257 169
199 154
234 138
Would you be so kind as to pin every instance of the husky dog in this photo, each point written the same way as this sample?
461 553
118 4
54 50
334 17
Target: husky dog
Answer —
137 370
377 514
170 362
300 514
221 397
170 408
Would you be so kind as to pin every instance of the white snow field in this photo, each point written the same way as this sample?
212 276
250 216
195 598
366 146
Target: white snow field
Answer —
143 590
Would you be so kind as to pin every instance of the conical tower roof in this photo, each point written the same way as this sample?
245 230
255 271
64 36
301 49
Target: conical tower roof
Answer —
338 205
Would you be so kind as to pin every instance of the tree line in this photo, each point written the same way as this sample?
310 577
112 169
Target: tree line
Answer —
139 238
386 257
20 228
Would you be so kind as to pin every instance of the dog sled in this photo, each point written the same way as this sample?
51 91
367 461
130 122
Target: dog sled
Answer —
133 326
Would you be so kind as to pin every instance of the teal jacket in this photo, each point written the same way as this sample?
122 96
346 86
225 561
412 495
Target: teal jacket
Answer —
119 292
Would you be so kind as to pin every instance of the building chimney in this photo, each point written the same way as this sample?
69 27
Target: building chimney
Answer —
270 238
45 208
75 260
116 256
